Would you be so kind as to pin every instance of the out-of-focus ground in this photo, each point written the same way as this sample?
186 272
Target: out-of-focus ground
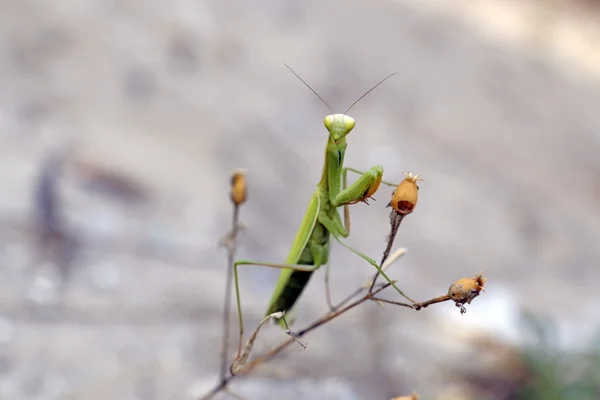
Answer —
175 95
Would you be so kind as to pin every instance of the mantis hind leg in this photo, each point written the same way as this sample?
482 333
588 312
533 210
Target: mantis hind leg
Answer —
328 289
243 352
292 267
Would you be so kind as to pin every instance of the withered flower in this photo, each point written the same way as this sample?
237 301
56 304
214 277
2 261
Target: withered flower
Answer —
238 187
465 290
404 198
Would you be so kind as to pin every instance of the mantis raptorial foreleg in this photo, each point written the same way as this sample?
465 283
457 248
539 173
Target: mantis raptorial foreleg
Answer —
345 171
341 197
345 185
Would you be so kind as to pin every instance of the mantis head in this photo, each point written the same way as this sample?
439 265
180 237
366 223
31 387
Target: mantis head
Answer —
338 125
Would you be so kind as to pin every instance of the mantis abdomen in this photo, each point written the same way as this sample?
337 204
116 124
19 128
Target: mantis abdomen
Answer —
292 282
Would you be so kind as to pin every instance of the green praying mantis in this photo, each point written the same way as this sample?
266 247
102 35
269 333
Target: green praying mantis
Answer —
310 249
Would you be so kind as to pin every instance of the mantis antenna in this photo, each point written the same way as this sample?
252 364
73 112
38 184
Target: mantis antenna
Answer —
370 90
353 104
308 86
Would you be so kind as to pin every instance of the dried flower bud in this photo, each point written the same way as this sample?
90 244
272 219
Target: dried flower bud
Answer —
404 198
465 290
238 187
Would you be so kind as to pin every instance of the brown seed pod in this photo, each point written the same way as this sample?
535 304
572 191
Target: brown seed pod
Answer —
238 187
404 198
465 290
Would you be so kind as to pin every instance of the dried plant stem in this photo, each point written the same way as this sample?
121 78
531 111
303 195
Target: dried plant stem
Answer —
397 303
338 311
395 220
268 355
240 360
440 299
349 298
239 368
387 261
231 243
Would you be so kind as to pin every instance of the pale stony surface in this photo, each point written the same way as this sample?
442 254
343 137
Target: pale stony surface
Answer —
177 94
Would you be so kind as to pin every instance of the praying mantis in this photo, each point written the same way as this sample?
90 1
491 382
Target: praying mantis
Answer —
310 248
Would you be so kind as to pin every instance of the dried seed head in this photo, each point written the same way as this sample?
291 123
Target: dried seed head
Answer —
404 198
465 290
238 187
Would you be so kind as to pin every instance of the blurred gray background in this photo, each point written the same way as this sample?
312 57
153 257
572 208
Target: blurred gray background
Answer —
155 103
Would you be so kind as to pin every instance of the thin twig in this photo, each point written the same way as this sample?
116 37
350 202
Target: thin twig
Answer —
241 359
349 298
238 196
321 321
395 220
440 299
397 303
231 243
239 362
273 352
387 262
